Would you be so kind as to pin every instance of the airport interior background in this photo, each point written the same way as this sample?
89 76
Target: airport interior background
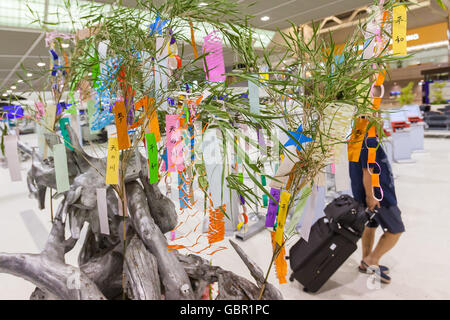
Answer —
38 54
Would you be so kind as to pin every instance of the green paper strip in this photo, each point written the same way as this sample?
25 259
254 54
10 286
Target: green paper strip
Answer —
241 177
61 170
64 132
265 200
298 212
152 156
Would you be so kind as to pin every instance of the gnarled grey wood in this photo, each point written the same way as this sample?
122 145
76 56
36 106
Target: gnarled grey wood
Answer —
141 270
270 291
174 279
162 208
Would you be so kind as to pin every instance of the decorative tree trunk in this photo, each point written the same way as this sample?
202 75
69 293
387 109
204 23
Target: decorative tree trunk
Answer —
151 271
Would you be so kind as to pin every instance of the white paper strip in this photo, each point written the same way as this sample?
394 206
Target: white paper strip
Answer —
102 210
342 176
213 165
12 157
309 214
161 70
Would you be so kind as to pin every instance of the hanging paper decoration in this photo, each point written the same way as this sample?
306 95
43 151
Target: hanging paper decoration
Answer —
399 30
13 112
40 111
157 26
112 161
64 132
61 170
102 209
214 64
299 210
309 214
298 135
183 191
253 97
174 143
282 213
152 157
12 157
153 125
272 210
280 261
121 125
356 139
216 230
336 125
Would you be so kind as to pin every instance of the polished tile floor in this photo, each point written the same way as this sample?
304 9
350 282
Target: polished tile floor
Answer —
419 263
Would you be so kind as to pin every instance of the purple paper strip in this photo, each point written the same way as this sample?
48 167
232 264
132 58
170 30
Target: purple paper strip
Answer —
273 207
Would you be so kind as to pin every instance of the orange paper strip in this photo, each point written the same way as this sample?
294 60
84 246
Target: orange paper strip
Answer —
356 140
376 180
372 155
120 116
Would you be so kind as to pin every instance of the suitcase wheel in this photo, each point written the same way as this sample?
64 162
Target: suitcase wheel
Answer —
291 278
286 257
305 289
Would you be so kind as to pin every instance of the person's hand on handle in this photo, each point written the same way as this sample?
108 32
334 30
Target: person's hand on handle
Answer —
372 203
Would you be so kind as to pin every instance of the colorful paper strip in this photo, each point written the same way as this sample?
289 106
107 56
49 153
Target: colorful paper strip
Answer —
112 162
12 157
152 157
61 169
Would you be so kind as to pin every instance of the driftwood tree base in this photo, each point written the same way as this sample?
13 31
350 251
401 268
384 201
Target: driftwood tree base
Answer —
135 264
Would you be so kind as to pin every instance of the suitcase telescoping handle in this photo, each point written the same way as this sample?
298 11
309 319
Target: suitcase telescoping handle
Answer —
371 214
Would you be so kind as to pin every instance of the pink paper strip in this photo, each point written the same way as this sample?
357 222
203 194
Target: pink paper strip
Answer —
12 157
215 65
174 143
102 211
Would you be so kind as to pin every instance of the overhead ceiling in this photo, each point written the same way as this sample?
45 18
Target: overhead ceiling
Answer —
27 46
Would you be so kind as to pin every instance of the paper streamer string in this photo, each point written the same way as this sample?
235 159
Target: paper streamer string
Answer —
61 170
12 157
64 132
112 161
174 143
102 208
121 125
298 211
253 97
272 210
280 261
152 157
399 46
282 213
214 64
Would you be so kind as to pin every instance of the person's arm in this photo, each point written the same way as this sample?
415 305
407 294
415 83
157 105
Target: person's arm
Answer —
371 202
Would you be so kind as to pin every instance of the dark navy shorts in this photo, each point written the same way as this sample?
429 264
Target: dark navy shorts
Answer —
389 218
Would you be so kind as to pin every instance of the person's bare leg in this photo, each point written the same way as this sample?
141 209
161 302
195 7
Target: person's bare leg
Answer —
386 243
367 240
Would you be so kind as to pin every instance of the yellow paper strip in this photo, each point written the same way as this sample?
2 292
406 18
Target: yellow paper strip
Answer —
112 162
399 30
282 212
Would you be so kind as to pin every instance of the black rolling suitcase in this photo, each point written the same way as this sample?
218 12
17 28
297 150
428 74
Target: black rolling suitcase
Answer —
330 243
